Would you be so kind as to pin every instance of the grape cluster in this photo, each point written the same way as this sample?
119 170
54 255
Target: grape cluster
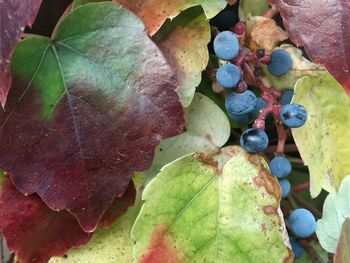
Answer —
244 106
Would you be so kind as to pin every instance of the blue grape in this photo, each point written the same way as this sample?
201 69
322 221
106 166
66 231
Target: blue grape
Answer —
302 223
226 45
240 103
228 76
254 140
287 97
293 115
281 62
240 119
280 167
261 104
285 187
297 249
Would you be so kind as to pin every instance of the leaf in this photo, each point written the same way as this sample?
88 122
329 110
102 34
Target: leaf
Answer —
248 8
301 67
15 16
36 233
336 209
263 32
77 3
109 245
153 13
342 254
322 141
207 129
323 28
183 42
87 110
193 214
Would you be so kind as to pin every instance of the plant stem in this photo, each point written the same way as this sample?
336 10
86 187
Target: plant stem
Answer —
301 187
306 204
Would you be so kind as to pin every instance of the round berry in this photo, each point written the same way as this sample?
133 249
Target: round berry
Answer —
281 62
240 119
293 115
226 45
260 53
302 223
297 249
280 167
285 187
228 76
254 140
240 103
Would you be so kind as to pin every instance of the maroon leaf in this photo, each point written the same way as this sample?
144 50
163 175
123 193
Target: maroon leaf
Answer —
323 28
87 110
36 233
15 16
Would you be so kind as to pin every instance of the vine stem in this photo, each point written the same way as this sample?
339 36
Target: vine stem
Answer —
306 204
282 136
301 187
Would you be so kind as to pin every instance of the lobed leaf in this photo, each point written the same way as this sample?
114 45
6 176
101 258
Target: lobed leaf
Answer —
109 245
336 209
192 213
15 16
322 141
154 12
183 42
86 110
36 233
323 28
207 129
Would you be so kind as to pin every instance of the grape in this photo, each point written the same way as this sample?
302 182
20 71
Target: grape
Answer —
293 115
225 20
280 167
228 76
261 104
254 140
226 45
302 223
297 249
287 97
260 53
285 187
240 103
281 62
240 119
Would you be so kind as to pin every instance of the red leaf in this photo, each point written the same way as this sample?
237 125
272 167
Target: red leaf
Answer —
36 233
323 28
15 16
87 110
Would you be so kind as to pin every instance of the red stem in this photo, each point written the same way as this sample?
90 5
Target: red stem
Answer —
282 136
301 187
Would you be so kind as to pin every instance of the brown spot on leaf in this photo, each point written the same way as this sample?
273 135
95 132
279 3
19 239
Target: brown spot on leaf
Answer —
161 249
207 159
253 158
270 210
289 258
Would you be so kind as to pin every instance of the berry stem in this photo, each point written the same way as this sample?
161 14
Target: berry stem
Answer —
306 205
282 136
301 187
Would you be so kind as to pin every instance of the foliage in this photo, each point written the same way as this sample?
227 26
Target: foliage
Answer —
121 106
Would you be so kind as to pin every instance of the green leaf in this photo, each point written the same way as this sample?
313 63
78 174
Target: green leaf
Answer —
110 245
249 8
207 129
193 213
342 254
77 3
323 140
155 12
184 43
301 67
336 209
